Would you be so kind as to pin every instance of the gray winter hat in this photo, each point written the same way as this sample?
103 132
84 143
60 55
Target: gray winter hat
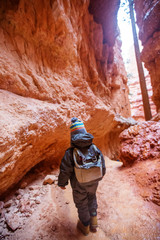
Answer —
77 126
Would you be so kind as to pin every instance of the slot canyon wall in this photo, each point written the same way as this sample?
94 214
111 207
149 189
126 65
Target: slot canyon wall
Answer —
58 59
148 20
135 95
140 144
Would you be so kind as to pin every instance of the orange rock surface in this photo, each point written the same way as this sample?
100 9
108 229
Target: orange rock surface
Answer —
140 153
148 20
137 110
140 142
56 62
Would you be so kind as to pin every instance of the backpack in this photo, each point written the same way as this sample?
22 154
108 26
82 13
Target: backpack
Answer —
88 164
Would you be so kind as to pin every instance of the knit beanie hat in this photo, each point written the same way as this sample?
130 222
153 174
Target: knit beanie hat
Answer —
77 126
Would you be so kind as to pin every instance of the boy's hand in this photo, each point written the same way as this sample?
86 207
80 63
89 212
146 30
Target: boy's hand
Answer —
63 188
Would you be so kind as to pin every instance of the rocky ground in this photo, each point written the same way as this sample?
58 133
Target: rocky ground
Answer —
40 210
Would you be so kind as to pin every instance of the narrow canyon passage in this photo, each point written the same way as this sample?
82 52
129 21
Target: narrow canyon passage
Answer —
122 213
59 60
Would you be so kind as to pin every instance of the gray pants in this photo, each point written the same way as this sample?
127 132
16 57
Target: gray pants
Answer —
85 200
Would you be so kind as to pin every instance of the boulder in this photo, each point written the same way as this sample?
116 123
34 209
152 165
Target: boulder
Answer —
140 142
49 179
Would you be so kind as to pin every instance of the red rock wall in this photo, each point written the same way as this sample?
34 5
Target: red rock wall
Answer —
140 152
148 20
135 95
137 110
140 145
140 142
56 62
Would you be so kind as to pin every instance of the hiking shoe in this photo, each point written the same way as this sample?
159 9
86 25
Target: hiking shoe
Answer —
82 228
93 224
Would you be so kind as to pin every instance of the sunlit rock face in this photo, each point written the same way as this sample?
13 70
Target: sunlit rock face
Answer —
140 142
57 61
137 110
148 19
135 95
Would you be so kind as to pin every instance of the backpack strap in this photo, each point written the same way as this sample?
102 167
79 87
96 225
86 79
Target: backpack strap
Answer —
86 158
78 157
95 153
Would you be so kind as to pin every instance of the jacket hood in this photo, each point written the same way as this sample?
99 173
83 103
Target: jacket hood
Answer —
81 140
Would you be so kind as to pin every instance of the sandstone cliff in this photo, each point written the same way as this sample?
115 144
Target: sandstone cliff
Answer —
140 145
148 20
135 95
58 59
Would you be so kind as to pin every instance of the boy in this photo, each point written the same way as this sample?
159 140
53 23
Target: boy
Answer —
84 194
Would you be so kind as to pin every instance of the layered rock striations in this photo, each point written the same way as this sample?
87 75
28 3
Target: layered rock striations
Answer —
135 95
57 61
148 20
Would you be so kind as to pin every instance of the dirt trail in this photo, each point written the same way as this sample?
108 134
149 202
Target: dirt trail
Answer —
122 213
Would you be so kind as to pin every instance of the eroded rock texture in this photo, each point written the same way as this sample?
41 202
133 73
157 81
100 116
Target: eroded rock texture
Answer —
137 110
140 142
148 19
58 59
147 176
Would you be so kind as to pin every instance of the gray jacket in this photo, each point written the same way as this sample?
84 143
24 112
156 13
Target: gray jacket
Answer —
81 140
